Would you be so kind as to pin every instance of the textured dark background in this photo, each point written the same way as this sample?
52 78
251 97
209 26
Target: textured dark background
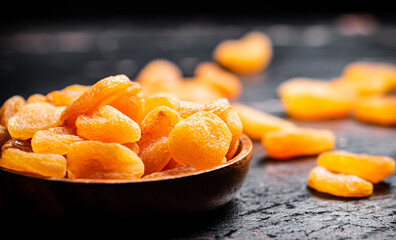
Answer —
44 52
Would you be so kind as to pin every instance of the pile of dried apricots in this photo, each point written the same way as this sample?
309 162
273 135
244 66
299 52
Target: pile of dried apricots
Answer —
163 124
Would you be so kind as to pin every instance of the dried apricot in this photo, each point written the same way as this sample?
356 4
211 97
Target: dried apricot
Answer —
47 165
96 94
94 159
256 123
376 110
226 82
159 75
37 97
197 91
161 99
32 118
372 168
55 140
10 107
201 141
250 54
235 125
156 127
107 124
65 96
171 165
130 102
296 142
368 78
311 99
339 184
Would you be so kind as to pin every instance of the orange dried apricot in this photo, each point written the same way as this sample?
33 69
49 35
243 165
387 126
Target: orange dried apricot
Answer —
156 127
107 124
250 54
94 159
220 107
47 165
37 97
226 82
159 75
368 78
311 99
96 94
10 107
296 142
196 91
201 141
256 123
372 168
338 184
379 110
235 125
161 99
171 165
130 102
55 140
65 96
32 118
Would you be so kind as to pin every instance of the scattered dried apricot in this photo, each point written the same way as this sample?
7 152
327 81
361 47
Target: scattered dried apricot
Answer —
96 94
250 54
256 123
226 82
32 118
47 165
338 184
372 168
55 140
201 141
107 124
296 142
379 110
10 107
94 159
153 145
311 99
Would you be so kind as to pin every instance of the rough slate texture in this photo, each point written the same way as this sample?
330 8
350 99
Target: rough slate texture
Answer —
275 202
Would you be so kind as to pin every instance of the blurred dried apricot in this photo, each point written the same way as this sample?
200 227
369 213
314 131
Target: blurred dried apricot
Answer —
196 91
372 168
156 127
32 118
10 107
256 123
226 82
65 96
130 102
94 159
159 75
296 142
47 165
96 94
338 184
55 140
311 99
250 54
368 78
107 124
201 141
376 110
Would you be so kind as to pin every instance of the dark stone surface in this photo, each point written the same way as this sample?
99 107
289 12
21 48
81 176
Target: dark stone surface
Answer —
274 203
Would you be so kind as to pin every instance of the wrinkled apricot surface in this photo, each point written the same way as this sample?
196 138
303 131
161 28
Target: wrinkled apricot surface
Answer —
310 99
47 165
338 184
10 107
153 145
107 124
296 142
90 99
372 168
379 110
94 159
256 123
226 82
201 141
250 54
32 118
55 140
